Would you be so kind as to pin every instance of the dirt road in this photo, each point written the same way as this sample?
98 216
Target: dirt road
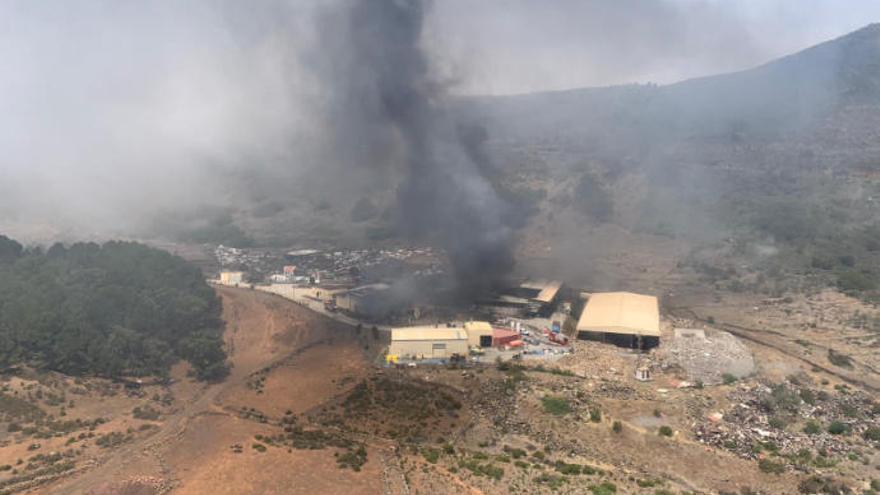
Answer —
190 451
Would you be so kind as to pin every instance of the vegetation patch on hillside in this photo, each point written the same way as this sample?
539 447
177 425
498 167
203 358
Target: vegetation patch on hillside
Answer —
121 309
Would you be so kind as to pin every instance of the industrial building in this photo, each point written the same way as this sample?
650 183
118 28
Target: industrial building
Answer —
231 278
427 342
621 318
543 292
370 301
531 297
479 333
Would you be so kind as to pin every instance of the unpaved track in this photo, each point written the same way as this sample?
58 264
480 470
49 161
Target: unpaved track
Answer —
254 345
778 342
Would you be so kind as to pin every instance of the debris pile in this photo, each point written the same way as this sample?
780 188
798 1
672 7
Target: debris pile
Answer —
598 361
344 263
791 421
706 356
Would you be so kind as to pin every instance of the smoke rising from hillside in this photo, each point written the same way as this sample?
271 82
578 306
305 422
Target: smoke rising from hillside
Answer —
115 113
390 103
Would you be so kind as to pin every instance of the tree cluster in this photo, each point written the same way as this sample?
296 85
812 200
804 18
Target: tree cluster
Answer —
113 310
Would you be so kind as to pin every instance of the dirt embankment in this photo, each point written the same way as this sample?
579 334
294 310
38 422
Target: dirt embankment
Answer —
284 358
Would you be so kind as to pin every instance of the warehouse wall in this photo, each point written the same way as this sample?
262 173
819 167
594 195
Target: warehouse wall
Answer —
426 348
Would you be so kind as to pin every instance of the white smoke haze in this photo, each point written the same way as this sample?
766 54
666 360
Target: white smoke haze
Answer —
113 112
521 46
113 109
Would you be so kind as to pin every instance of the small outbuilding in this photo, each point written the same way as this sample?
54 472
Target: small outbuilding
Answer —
428 342
502 337
231 278
621 318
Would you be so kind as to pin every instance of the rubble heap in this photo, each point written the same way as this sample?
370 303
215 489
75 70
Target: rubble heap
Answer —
707 357
790 421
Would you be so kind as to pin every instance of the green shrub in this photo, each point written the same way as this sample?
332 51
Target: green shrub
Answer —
568 469
838 428
595 415
812 428
617 427
353 458
491 471
665 431
553 481
431 455
818 484
606 488
146 413
872 434
838 359
728 378
808 396
772 467
777 422
556 406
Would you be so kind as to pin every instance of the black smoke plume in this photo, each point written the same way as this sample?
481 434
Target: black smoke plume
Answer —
388 106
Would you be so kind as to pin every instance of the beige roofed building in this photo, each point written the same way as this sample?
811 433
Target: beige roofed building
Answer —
479 333
428 342
623 318
231 278
544 291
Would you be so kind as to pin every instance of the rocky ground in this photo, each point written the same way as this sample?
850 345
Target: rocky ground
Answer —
306 411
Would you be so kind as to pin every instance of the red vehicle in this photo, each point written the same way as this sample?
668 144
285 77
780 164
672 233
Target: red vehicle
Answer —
556 338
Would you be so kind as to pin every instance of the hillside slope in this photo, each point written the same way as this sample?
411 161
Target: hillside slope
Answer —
793 93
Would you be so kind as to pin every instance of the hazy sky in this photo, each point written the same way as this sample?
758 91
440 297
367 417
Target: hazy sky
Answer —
513 46
110 108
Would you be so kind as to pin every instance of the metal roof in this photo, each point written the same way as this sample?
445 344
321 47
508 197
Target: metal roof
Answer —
548 293
478 326
427 333
621 312
548 289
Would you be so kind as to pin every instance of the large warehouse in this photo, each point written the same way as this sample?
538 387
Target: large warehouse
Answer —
621 318
427 342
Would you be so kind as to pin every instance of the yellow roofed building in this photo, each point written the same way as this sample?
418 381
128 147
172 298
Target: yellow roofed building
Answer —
622 318
428 342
